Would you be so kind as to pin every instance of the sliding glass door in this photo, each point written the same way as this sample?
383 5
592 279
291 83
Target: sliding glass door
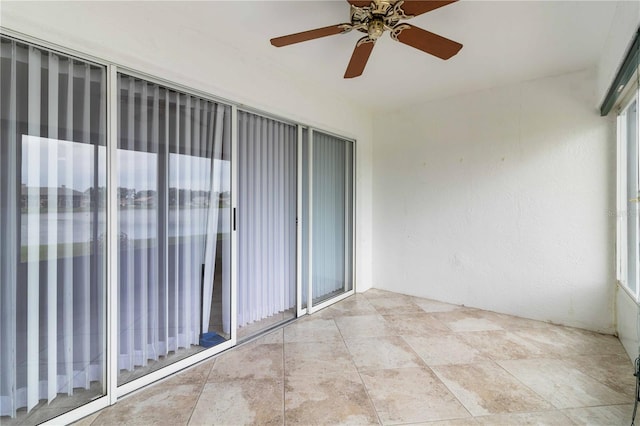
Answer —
52 232
267 186
135 235
328 210
174 213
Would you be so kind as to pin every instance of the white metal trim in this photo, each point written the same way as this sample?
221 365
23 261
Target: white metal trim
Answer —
80 412
299 222
234 219
46 45
270 116
187 90
347 202
354 226
310 214
112 232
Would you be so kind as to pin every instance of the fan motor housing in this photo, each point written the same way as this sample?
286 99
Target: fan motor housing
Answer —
379 16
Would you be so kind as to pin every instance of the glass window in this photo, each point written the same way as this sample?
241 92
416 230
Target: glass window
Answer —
331 216
174 225
52 232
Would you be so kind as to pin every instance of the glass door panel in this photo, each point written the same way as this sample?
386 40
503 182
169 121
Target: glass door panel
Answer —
267 186
174 221
330 214
52 233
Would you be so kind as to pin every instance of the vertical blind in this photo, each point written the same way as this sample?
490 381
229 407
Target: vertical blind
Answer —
52 225
266 217
331 215
172 179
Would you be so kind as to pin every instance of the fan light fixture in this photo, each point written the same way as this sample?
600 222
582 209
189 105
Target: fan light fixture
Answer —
374 18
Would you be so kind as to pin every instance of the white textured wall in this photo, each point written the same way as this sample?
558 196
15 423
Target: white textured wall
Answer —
144 37
500 199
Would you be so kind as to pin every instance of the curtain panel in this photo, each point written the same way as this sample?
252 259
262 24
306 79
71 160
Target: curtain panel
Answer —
332 215
52 226
173 218
266 217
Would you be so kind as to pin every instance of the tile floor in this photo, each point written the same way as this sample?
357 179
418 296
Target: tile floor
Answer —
386 358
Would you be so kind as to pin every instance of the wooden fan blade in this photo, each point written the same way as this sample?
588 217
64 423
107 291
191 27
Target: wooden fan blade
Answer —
308 35
428 42
359 58
418 7
359 3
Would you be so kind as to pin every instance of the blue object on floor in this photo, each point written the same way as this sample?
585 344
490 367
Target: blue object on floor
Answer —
208 340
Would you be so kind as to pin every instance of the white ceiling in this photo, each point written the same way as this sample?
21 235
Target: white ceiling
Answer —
504 42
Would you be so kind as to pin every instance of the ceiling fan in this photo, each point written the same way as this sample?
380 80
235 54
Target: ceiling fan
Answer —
374 17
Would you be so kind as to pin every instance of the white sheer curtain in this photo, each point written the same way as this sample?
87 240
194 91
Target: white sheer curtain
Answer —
266 217
332 216
52 179
172 172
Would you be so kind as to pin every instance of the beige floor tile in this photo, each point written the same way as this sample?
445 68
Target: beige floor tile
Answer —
429 305
604 415
86 421
160 404
561 384
196 375
444 349
376 293
558 341
240 402
416 324
335 398
348 308
370 353
395 306
364 326
468 320
251 361
485 388
470 421
614 371
411 395
503 369
590 342
500 344
311 329
275 337
510 322
546 418
317 358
